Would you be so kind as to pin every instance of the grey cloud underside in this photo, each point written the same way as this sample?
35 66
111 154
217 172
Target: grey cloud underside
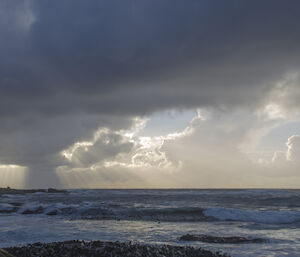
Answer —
109 56
69 67
37 143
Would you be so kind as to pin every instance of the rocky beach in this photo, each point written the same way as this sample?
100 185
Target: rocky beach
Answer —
76 248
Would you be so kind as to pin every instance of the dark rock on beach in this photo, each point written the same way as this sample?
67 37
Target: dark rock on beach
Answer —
4 253
221 239
107 249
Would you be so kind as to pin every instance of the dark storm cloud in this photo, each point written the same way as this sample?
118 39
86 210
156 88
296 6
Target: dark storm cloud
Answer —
62 60
86 51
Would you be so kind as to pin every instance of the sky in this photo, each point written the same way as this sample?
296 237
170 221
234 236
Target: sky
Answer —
150 94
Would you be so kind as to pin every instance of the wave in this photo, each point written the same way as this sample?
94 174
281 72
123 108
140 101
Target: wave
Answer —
100 211
50 209
145 214
192 214
90 210
170 214
6 208
268 217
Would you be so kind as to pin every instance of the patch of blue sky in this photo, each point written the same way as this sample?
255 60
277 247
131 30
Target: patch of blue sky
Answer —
163 123
276 139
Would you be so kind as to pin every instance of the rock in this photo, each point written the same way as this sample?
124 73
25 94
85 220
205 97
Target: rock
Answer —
78 248
221 240
35 211
4 253
54 212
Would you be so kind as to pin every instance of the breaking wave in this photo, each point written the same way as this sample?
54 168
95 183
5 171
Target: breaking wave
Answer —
268 217
96 211
89 210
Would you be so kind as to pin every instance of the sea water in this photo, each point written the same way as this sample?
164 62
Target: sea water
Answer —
157 217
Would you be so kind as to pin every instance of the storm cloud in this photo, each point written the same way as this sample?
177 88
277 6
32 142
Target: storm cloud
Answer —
68 68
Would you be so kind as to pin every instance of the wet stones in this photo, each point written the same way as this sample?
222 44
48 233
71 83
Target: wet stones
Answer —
78 248
4 253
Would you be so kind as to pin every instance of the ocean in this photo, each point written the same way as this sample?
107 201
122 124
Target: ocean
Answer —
157 217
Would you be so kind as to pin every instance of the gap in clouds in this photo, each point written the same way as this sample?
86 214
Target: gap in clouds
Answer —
166 122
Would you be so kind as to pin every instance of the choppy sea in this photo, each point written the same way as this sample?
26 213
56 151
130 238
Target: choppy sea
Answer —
157 217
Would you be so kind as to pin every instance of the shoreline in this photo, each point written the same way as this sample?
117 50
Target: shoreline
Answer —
79 248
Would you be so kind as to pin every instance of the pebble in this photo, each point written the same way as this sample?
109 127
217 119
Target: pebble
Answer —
77 248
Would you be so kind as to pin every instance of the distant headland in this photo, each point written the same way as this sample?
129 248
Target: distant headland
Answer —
8 190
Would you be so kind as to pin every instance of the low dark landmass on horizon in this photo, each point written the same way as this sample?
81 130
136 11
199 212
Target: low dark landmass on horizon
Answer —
8 190
78 248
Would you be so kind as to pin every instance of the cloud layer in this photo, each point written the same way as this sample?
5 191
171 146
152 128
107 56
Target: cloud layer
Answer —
68 69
